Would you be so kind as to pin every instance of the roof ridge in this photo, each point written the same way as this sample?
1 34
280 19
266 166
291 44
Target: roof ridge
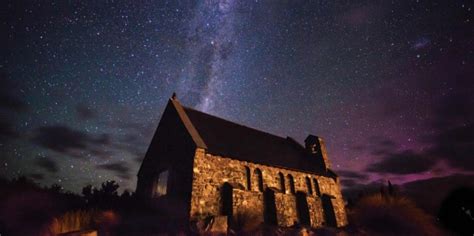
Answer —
188 124
220 118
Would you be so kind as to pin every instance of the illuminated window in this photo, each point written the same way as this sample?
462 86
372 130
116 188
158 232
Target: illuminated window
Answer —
258 173
316 187
161 184
292 184
247 175
282 182
308 185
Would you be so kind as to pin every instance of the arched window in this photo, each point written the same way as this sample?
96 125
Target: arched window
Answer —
308 185
258 173
282 182
316 187
248 178
291 181
161 184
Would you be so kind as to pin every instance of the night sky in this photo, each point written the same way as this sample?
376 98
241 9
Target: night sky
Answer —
389 85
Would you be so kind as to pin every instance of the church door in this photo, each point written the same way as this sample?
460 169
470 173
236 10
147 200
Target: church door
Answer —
302 208
270 216
226 196
328 208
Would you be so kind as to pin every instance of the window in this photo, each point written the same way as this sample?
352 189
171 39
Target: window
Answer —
258 173
161 184
308 185
292 184
247 175
282 182
316 187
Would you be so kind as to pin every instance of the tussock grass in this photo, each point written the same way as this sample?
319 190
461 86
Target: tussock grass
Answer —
381 214
74 221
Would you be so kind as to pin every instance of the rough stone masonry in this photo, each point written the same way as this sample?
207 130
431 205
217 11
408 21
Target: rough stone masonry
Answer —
204 166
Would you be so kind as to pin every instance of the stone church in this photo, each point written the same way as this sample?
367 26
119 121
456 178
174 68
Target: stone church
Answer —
199 165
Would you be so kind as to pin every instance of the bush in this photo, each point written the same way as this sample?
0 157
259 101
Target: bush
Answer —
383 214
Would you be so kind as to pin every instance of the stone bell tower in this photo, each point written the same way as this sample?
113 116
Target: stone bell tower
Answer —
317 149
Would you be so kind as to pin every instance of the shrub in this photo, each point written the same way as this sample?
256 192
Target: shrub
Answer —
383 214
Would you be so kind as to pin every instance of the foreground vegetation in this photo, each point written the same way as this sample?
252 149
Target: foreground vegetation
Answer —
29 209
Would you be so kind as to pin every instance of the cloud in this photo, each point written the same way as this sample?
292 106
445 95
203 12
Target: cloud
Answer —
351 190
48 164
454 139
351 178
133 144
36 176
134 138
448 137
139 159
85 112
348 182
377 145
456 147
120 169
69 141
451 141
352 175
405 162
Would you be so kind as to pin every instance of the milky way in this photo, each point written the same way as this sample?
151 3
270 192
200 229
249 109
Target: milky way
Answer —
388 85
210 41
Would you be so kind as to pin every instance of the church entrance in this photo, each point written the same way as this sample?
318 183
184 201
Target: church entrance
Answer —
226 194
328 208
269 212
302 208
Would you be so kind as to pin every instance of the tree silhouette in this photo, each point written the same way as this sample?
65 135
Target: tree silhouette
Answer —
104 197
109 189
56 188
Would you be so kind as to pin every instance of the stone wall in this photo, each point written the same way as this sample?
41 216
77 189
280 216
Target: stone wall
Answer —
315 213
247 202
286 209
210 172
339 210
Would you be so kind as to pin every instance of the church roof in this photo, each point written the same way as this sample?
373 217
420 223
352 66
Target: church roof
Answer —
229 139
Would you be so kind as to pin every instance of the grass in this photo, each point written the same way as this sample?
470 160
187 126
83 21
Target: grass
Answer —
74 221
83 220
381 214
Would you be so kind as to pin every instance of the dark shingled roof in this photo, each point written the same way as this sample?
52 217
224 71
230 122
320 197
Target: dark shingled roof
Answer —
239 142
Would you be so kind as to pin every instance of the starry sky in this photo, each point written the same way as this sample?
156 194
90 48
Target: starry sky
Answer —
389 85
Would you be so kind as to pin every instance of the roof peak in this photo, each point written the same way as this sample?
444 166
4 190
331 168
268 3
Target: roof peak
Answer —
187 122
235 123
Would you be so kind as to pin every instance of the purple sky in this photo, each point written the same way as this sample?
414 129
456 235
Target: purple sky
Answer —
388 85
